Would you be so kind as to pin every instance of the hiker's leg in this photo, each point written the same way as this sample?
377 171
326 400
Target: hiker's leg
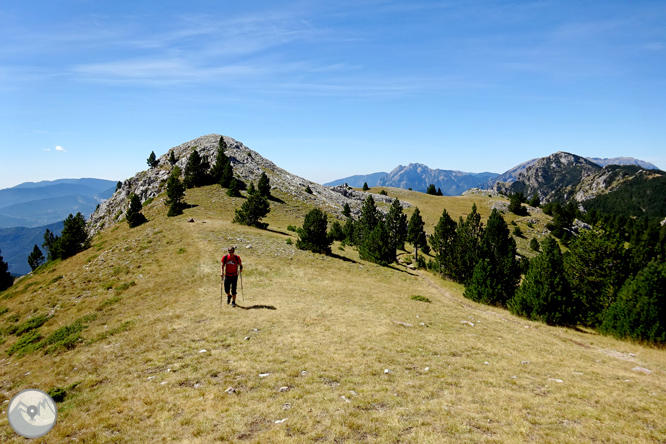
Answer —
234 284
227 288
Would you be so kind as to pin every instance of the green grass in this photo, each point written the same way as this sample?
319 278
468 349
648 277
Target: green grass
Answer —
325 327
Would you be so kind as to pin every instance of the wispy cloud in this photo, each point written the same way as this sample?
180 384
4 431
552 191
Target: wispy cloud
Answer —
59 148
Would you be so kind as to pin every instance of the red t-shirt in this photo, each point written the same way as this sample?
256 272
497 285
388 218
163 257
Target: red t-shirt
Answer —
232 263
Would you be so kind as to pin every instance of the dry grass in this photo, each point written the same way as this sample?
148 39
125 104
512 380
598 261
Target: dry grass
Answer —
326 328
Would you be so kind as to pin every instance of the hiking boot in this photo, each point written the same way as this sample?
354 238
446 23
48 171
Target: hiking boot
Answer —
228 300
233 304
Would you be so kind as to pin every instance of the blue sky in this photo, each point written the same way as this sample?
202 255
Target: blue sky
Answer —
328 89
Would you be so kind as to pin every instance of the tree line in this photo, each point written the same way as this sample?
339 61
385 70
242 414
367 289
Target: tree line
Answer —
611 278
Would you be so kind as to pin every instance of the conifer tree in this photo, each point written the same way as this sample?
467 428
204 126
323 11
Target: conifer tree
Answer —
73 238
36 258
233 189
515 205
483 286
346 210
152 160
119 185
415 234
375 248
597 266
49 242
253 209
439 192
396 226
6 279
134 216
264 185
196 171
442 241
432 190
466 254
368 220
221 162
499 248
172 158
349 231
365 186
313 235
534 244
175 192
336 232
227 176
639 313
545 294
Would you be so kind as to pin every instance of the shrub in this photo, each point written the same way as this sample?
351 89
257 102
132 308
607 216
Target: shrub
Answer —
419 298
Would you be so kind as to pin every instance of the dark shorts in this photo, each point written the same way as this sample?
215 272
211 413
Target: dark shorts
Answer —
230 284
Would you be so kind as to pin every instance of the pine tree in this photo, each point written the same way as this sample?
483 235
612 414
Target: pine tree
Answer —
534 244
264 185
396 226
234 188
253 209
515 205
415 234
346 210
349 230
152 160
227 176
368 220
432 190
172 158
439 192
74 237
639 313
465 251
49 242
365 186
336 233
375 248
119 185
175 192
313 235
134 216
221 162
442 241
535 201
6 279
499 248
597 266
36 258
483 286
196 171
545 294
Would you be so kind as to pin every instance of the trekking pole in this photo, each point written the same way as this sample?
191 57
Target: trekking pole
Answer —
242 291
221 290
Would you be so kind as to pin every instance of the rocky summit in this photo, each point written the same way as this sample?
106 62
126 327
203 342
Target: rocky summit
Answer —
248 165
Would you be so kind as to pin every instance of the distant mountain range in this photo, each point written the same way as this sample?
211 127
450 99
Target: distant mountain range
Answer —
418 177
630 190
358 181
29 209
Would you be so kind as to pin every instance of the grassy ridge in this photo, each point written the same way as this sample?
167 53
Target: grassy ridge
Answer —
335 347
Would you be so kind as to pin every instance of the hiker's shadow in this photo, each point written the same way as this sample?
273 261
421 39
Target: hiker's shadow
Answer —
255 307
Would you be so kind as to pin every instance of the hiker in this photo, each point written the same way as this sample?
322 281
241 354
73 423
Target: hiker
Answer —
231 266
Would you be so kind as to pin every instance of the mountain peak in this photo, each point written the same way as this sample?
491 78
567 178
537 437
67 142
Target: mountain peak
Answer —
248 165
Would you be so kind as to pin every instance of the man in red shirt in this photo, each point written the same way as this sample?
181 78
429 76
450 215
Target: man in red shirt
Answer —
231 266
